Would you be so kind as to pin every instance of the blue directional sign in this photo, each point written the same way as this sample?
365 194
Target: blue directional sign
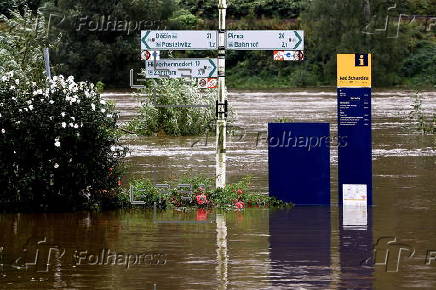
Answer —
299 162
355 157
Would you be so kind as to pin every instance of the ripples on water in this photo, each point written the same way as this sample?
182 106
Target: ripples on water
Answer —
301 248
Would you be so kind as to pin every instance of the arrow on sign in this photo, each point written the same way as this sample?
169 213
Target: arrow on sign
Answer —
145 38
299 39
214 68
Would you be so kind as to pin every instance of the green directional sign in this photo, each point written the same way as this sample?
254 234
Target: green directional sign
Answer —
179 40
181 68
265 40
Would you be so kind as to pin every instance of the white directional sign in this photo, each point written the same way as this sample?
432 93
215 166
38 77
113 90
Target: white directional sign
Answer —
178 40
182 67
265 40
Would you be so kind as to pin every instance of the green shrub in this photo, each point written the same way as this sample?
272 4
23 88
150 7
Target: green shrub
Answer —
419 68
21 46
58 145
158 114
183 19
418 120
202 194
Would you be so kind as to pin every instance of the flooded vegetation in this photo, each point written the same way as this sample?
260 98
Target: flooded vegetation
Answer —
303 247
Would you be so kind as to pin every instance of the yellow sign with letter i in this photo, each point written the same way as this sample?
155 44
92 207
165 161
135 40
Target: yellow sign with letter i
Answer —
354 70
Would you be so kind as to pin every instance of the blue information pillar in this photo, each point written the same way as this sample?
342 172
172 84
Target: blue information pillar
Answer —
299 162
354 128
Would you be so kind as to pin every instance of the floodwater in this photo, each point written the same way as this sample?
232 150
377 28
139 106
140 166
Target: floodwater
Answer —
300 248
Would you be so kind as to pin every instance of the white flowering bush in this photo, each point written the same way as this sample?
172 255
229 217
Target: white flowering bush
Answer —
164 109
58 144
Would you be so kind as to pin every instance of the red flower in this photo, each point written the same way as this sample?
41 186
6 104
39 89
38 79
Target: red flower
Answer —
239 191
119 182
201 214
201 199
239 205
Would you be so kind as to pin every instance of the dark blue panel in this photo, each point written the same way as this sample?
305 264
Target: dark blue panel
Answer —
299 162
300 248
354 131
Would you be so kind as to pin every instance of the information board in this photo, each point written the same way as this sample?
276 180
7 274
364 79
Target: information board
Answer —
355 157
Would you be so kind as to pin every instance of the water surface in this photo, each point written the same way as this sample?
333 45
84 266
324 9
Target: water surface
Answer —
301 248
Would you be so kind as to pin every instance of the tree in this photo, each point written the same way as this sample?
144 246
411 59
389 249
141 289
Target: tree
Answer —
340 27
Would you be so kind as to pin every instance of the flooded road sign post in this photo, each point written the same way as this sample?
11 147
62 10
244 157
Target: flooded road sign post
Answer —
354 126
299 162
221 103
153 40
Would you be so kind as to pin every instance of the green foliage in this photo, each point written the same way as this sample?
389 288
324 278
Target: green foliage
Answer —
107 54
8 6
334 27
58 145
183 19
202 194
419 121
242 8
21 46
420 67
99 86
282 120
101 38
175 121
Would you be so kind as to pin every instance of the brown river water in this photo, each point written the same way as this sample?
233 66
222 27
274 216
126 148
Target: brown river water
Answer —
299 248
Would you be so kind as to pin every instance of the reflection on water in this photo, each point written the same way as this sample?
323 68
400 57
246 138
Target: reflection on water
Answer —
300 248
307 247
356 248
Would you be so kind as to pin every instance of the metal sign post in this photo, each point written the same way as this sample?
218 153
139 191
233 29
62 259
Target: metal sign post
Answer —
206 69
221 110
47 63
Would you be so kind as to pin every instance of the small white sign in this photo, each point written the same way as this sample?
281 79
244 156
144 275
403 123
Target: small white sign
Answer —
354 194
150 55
207 83
355 208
